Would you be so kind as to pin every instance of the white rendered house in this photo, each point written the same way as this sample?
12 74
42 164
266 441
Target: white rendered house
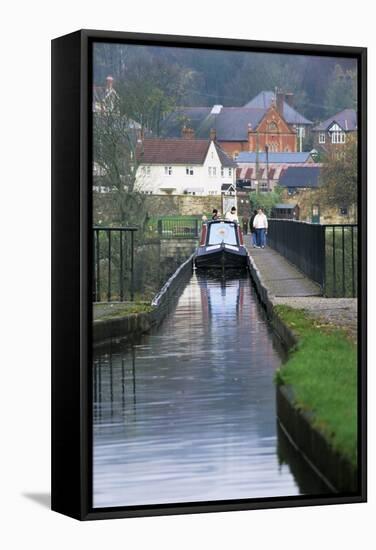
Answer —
183 166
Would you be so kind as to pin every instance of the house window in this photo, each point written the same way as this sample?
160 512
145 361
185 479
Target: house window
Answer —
322 137
212 171
343 211
230 172
189 171
222 171
338 137
168 170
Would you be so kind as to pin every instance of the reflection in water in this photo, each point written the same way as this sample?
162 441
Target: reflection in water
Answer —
188 413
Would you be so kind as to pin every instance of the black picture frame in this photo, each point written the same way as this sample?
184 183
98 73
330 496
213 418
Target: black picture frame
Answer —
71 273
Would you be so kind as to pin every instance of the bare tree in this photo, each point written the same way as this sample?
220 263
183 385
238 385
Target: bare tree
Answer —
114 148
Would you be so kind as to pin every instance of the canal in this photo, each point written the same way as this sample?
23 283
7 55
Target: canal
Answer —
187 413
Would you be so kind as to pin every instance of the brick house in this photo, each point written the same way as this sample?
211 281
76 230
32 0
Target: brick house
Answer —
284 102
268 120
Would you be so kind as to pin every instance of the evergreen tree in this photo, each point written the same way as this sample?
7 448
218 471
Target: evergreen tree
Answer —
342 91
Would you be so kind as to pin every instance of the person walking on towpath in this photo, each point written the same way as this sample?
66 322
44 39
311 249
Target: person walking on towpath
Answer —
232 215
252 229
260 223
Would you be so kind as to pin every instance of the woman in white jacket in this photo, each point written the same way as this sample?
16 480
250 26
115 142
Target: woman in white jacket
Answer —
260 223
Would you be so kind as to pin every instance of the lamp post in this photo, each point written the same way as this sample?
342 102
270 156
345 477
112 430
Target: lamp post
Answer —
267 165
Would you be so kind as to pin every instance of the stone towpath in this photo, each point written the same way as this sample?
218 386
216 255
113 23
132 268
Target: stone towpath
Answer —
287 285
279 275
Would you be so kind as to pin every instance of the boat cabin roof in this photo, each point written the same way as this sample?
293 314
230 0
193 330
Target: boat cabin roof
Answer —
222 231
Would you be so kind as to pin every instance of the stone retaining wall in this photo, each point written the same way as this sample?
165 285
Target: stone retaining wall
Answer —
338 473
106 209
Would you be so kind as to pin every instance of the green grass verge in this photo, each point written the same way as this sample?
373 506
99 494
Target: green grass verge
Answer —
322 371
105 312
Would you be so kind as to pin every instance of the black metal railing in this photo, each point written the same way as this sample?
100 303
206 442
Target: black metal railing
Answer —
327 254
341 254
178 228
113 264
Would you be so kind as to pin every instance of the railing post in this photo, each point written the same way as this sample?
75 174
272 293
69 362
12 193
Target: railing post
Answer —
334 263
109 267
132 266
121 281
343 263
322 252
352 263
98 268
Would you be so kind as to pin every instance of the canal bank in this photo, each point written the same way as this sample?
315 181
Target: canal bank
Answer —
321 338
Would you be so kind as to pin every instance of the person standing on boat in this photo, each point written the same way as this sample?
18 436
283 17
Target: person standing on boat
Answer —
260 223
252 229
232 215
215 215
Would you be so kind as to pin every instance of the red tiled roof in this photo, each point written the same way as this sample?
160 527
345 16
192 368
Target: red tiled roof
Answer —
172 151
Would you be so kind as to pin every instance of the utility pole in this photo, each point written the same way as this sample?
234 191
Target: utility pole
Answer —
257 162
267 165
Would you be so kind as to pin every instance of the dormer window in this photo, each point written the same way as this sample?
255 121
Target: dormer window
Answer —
337 134
168 170
321 137
189 171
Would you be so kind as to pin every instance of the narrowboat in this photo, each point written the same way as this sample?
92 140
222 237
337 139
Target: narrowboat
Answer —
221 246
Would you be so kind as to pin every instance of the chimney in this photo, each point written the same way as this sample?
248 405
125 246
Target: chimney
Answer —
187 133
280 97
213 134
109 82
289 98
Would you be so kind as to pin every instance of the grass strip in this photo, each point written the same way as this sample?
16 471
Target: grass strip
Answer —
105 312
322 371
